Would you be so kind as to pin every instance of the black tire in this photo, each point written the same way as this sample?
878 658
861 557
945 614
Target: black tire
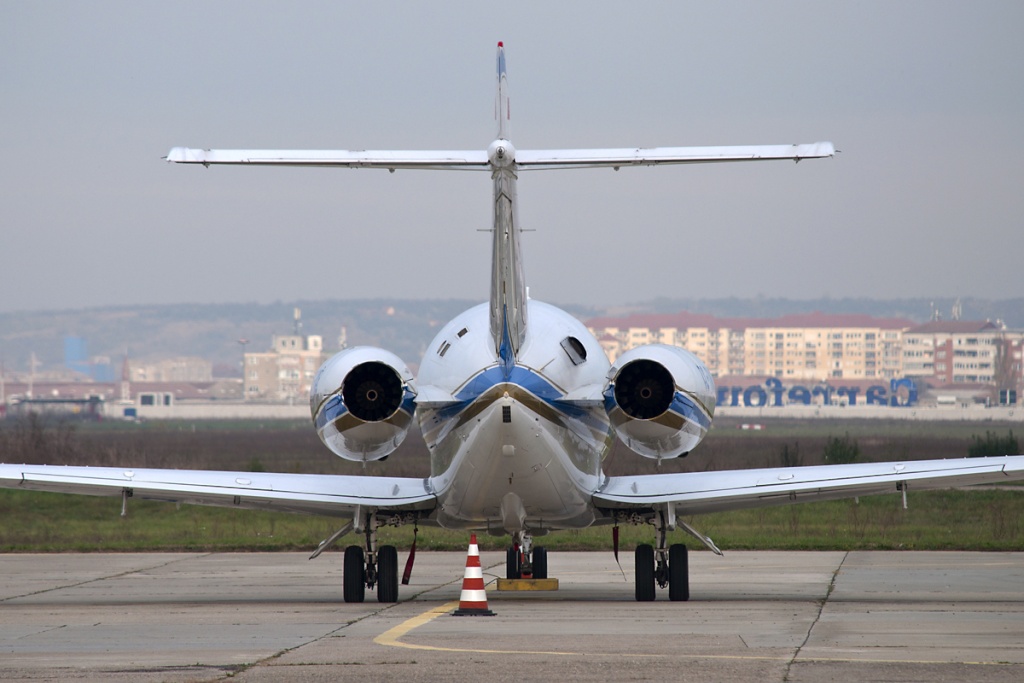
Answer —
387 574
540 563
355 574
644 573
512 569
678 573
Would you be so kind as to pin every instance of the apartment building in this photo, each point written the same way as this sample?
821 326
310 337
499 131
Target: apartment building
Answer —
812 347
285 372
963 352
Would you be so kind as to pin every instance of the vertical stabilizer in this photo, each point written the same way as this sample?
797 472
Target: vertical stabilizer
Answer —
501 109
508 289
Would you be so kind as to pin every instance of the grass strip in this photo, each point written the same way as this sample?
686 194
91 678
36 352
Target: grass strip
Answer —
977 519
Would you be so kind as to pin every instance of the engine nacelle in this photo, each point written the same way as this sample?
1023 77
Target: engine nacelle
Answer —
660 400
362 403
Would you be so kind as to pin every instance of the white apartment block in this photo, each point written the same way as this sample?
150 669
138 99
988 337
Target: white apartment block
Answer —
285 372
819 347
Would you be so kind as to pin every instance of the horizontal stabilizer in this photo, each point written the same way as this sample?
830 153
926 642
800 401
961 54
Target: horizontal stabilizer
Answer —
389 159
654 156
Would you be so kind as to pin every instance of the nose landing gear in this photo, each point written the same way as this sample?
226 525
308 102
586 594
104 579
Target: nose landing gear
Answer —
525 561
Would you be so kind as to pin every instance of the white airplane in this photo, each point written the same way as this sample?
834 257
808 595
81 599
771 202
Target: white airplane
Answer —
518 406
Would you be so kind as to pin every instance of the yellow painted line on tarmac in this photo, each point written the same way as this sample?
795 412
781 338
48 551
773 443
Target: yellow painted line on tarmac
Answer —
392 635
391 638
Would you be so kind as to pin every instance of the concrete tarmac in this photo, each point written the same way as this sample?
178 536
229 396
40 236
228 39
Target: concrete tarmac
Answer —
753 616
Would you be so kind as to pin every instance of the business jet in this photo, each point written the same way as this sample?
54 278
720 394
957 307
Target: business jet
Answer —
518 406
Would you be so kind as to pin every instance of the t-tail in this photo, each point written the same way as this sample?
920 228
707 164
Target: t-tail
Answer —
508 314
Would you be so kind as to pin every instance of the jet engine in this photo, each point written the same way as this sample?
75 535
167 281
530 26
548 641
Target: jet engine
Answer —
660 399
362 403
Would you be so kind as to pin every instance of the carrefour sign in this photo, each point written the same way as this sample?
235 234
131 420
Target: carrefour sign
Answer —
900 392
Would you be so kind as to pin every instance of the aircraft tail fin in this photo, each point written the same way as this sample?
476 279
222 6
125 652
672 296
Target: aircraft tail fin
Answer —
501 104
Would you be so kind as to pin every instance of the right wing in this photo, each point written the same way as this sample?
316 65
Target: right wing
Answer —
319 494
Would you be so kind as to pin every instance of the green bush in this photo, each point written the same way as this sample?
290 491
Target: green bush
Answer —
841 451
992 445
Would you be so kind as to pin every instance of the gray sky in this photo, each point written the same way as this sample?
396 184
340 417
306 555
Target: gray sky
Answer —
925 100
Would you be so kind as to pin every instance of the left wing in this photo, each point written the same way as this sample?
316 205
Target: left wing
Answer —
701 492
335 495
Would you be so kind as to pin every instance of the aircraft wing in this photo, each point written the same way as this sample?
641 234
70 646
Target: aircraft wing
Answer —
702 492
473 160
654 156
334 495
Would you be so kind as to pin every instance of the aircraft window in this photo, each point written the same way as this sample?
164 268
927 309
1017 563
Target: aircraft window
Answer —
444 349
506 413
462 332
574 348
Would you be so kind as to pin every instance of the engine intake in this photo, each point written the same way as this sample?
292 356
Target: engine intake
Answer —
362 402
660 399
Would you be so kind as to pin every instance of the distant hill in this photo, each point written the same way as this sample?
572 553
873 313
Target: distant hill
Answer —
405 327
1009 311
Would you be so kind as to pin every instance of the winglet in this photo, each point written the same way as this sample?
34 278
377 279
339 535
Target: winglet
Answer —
501 109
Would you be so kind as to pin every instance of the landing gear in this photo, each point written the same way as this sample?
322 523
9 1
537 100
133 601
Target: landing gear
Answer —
370 568
523 560
666 566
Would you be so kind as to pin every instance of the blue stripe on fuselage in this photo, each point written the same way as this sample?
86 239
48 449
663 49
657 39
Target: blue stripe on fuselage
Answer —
524 378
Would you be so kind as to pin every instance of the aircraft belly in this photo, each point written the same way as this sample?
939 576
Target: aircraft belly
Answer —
526 456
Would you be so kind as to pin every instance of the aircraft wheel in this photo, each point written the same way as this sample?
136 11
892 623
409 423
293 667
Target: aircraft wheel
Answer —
355 574
512 563
644 573
678 573
387 574
540 562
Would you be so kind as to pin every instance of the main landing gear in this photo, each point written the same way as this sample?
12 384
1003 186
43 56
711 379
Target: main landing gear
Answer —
523 560
373 566
666 565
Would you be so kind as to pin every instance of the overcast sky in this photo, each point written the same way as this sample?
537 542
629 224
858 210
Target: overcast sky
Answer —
925 100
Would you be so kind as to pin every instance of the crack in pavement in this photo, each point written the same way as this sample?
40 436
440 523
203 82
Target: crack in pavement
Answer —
107 577
817 617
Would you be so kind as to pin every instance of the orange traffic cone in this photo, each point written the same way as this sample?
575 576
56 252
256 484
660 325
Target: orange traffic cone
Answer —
473 600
